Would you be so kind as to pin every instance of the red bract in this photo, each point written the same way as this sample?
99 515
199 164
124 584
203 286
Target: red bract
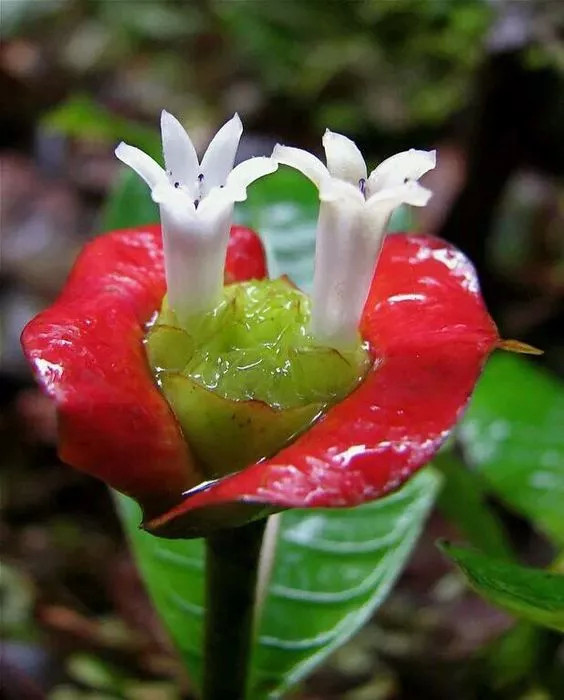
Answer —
87 353
427 330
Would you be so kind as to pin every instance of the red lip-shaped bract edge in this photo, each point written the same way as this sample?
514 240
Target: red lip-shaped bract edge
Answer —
87 353
427 330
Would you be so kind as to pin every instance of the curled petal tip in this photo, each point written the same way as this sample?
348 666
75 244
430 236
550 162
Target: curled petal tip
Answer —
124 152
344 159
308 164
416 194
144 165
429 156
238 180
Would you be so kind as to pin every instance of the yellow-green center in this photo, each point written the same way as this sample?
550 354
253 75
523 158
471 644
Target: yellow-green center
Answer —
246 378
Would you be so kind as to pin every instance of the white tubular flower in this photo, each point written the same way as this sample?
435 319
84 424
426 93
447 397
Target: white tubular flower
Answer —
355 209
196 206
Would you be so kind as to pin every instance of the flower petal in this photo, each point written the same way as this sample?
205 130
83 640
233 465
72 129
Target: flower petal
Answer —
398 169
303 161
147 168
219 199
235 188
383 202
218 160
176 200
250 170
87 353
195 244
429 333
344 159
346 249
341 192
180 156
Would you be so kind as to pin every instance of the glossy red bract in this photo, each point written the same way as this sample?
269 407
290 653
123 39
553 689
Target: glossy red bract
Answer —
427 329
87 353
429 334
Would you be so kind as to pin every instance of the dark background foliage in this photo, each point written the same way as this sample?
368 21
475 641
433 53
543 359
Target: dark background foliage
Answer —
481 80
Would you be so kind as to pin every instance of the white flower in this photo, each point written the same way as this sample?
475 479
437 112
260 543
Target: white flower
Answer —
355 209
196 206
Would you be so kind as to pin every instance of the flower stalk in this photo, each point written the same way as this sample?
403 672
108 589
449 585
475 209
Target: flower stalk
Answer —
232 560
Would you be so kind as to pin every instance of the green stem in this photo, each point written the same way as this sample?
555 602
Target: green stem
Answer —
232 558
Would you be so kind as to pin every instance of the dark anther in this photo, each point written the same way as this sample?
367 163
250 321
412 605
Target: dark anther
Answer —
177 185
196 202
362 185
405 180
201 177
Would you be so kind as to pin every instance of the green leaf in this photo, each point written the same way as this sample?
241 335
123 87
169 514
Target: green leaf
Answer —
95 673
129 204
512 434
537 596
514 655
82 117
173 571
463 501
17 15
332 568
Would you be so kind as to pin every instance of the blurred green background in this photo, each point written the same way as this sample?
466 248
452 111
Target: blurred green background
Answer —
481 80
